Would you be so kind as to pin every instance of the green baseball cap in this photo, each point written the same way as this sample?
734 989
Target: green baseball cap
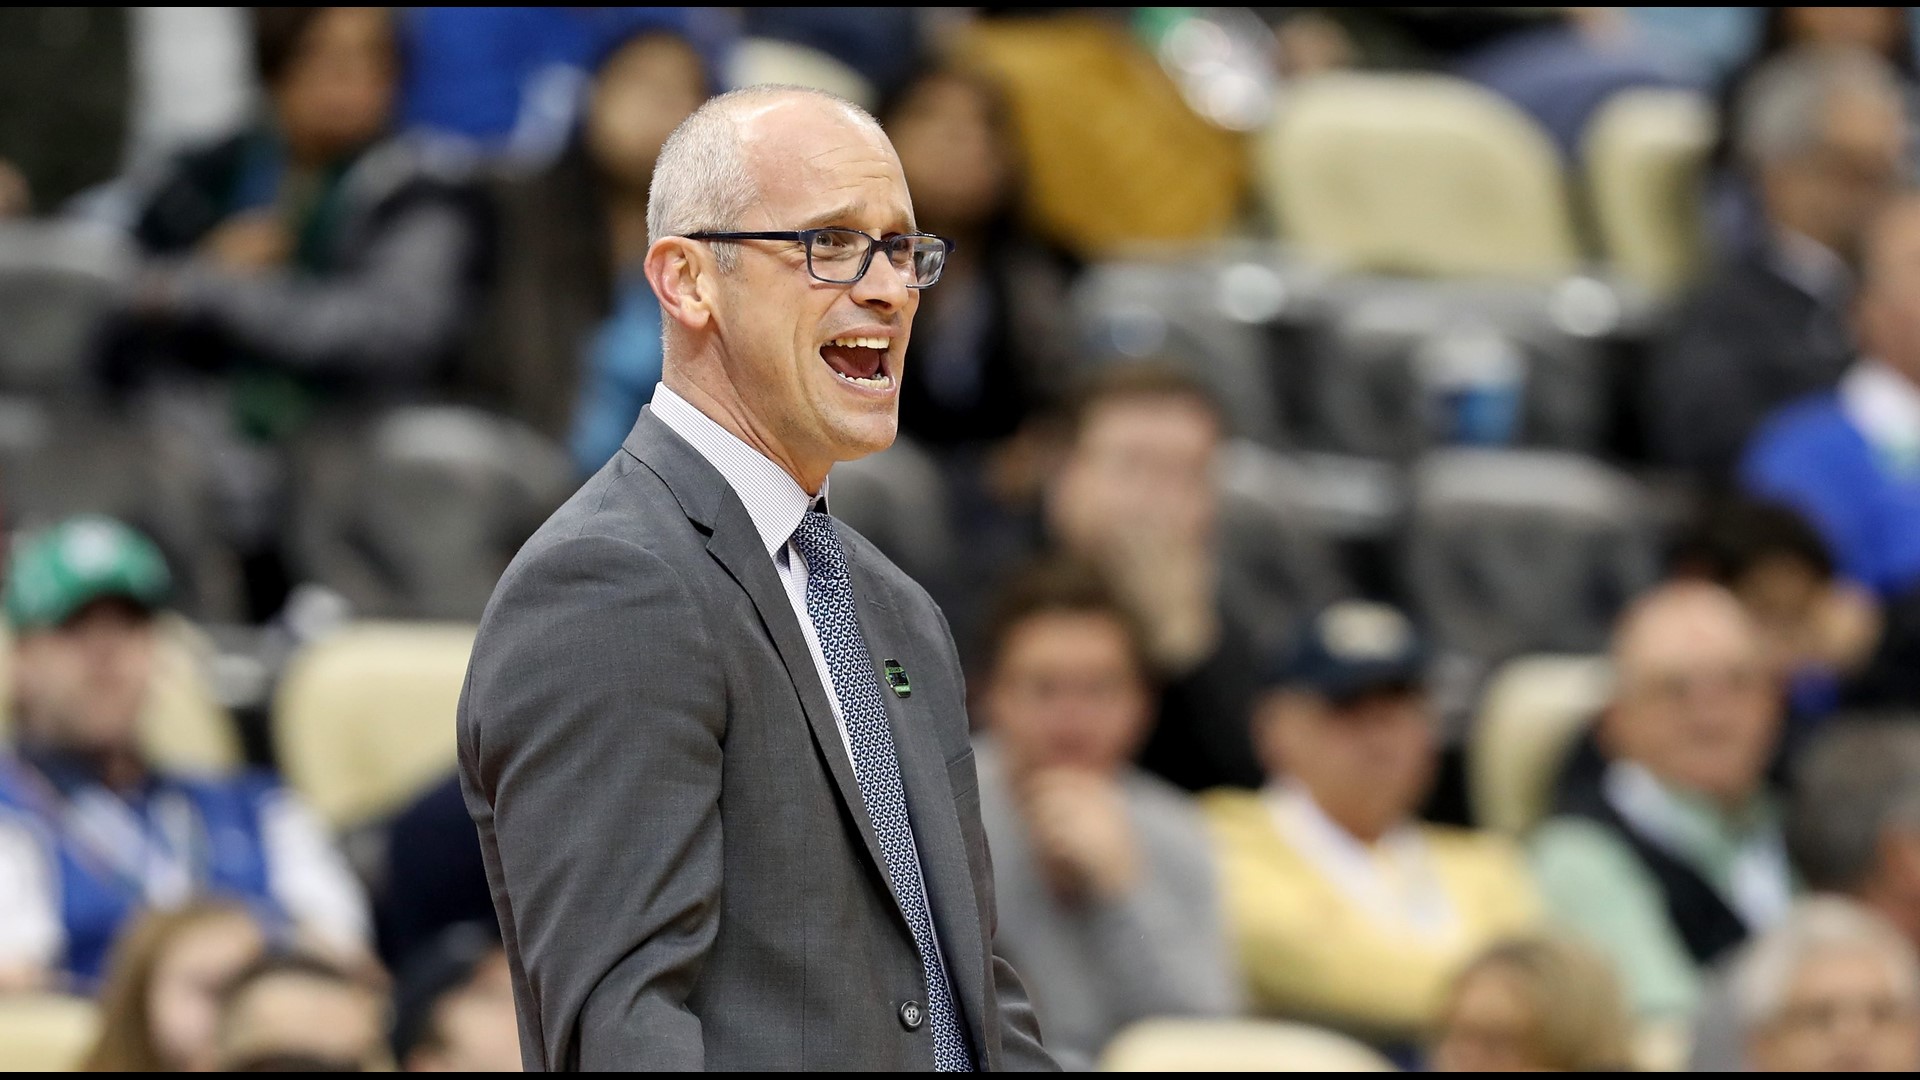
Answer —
63 569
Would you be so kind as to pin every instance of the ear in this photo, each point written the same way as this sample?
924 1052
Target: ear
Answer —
682 274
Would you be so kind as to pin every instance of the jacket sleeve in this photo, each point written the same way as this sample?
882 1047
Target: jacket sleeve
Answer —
391 316
590 745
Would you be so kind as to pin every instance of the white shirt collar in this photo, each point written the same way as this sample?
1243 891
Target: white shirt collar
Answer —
774 501
1394 879
1884 405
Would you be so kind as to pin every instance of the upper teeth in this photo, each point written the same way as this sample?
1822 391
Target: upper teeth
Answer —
859 342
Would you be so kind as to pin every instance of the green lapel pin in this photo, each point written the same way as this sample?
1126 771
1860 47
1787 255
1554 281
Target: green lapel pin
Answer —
896 677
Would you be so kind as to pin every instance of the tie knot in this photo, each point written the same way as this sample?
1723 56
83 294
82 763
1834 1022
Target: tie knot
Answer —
819 544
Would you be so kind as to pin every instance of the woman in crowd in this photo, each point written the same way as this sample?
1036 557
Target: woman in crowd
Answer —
991 343
314 261
1537 1004
161 1002
571 343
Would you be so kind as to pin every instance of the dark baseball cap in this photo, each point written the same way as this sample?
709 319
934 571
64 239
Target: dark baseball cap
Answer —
55 573
1353 648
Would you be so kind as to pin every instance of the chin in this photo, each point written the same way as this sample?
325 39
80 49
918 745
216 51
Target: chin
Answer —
861 436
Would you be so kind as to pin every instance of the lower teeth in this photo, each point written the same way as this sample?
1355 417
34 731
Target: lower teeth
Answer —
878 382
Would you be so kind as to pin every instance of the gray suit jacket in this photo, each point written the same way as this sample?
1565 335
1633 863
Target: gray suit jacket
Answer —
679 854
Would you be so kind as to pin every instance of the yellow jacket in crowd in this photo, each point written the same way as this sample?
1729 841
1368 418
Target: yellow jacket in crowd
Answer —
1361 937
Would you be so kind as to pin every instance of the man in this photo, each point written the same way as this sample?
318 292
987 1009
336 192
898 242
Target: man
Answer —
1853 826
297 1013
1104 874
1138 495
1673 852
91 833
1346 909
453 1005
716 745
1822 136
1832 989
1850 460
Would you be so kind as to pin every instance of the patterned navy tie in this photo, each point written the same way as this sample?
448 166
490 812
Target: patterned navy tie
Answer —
830 604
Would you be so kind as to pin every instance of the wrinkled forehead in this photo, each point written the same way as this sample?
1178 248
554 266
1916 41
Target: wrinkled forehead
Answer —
817 164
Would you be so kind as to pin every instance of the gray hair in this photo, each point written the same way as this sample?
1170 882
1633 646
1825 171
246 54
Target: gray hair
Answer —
1763 974
1783 110
701 181
1859 779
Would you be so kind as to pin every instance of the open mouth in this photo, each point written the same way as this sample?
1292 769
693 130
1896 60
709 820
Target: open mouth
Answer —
859 361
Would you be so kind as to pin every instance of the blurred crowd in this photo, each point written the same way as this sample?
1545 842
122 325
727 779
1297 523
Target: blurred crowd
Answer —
1428 500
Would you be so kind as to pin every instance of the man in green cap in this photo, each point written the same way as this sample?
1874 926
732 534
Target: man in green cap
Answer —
91 833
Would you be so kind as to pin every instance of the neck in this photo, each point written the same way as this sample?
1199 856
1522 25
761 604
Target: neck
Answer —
728 412
1361 827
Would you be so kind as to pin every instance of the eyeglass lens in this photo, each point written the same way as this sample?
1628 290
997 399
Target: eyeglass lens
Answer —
839 256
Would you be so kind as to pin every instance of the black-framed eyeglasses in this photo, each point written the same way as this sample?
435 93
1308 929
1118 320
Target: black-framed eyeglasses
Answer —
841 256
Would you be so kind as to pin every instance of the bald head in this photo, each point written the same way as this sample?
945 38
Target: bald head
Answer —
706 176
1694 703
1672 616
802 365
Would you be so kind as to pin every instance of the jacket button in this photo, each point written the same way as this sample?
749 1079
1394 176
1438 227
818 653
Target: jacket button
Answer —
912 1015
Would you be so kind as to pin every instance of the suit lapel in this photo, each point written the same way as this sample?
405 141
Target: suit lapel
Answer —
735 544
930 806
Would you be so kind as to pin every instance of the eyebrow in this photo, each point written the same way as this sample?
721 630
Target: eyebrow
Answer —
840 215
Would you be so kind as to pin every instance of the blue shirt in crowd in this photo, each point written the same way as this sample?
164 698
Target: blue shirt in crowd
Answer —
79 860
1864 502
623 365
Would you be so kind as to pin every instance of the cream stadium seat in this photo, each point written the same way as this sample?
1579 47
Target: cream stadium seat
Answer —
757 61
364 719
1417 174
1236 1046
1645 153
46 1032
1533 709
184 727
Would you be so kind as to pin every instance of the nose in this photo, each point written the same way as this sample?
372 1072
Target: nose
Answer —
883 288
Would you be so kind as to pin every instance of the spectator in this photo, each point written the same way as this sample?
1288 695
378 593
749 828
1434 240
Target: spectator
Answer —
991 338
1823 135
310 261
571 342
1834 642
508 78
1832 989
1850 459
1853 826
1137 496
91 833
1885 32
1672 852
435 875
1534 1004
1347 911
296 1013
1822 637
160 1002
1104 875
453 1006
